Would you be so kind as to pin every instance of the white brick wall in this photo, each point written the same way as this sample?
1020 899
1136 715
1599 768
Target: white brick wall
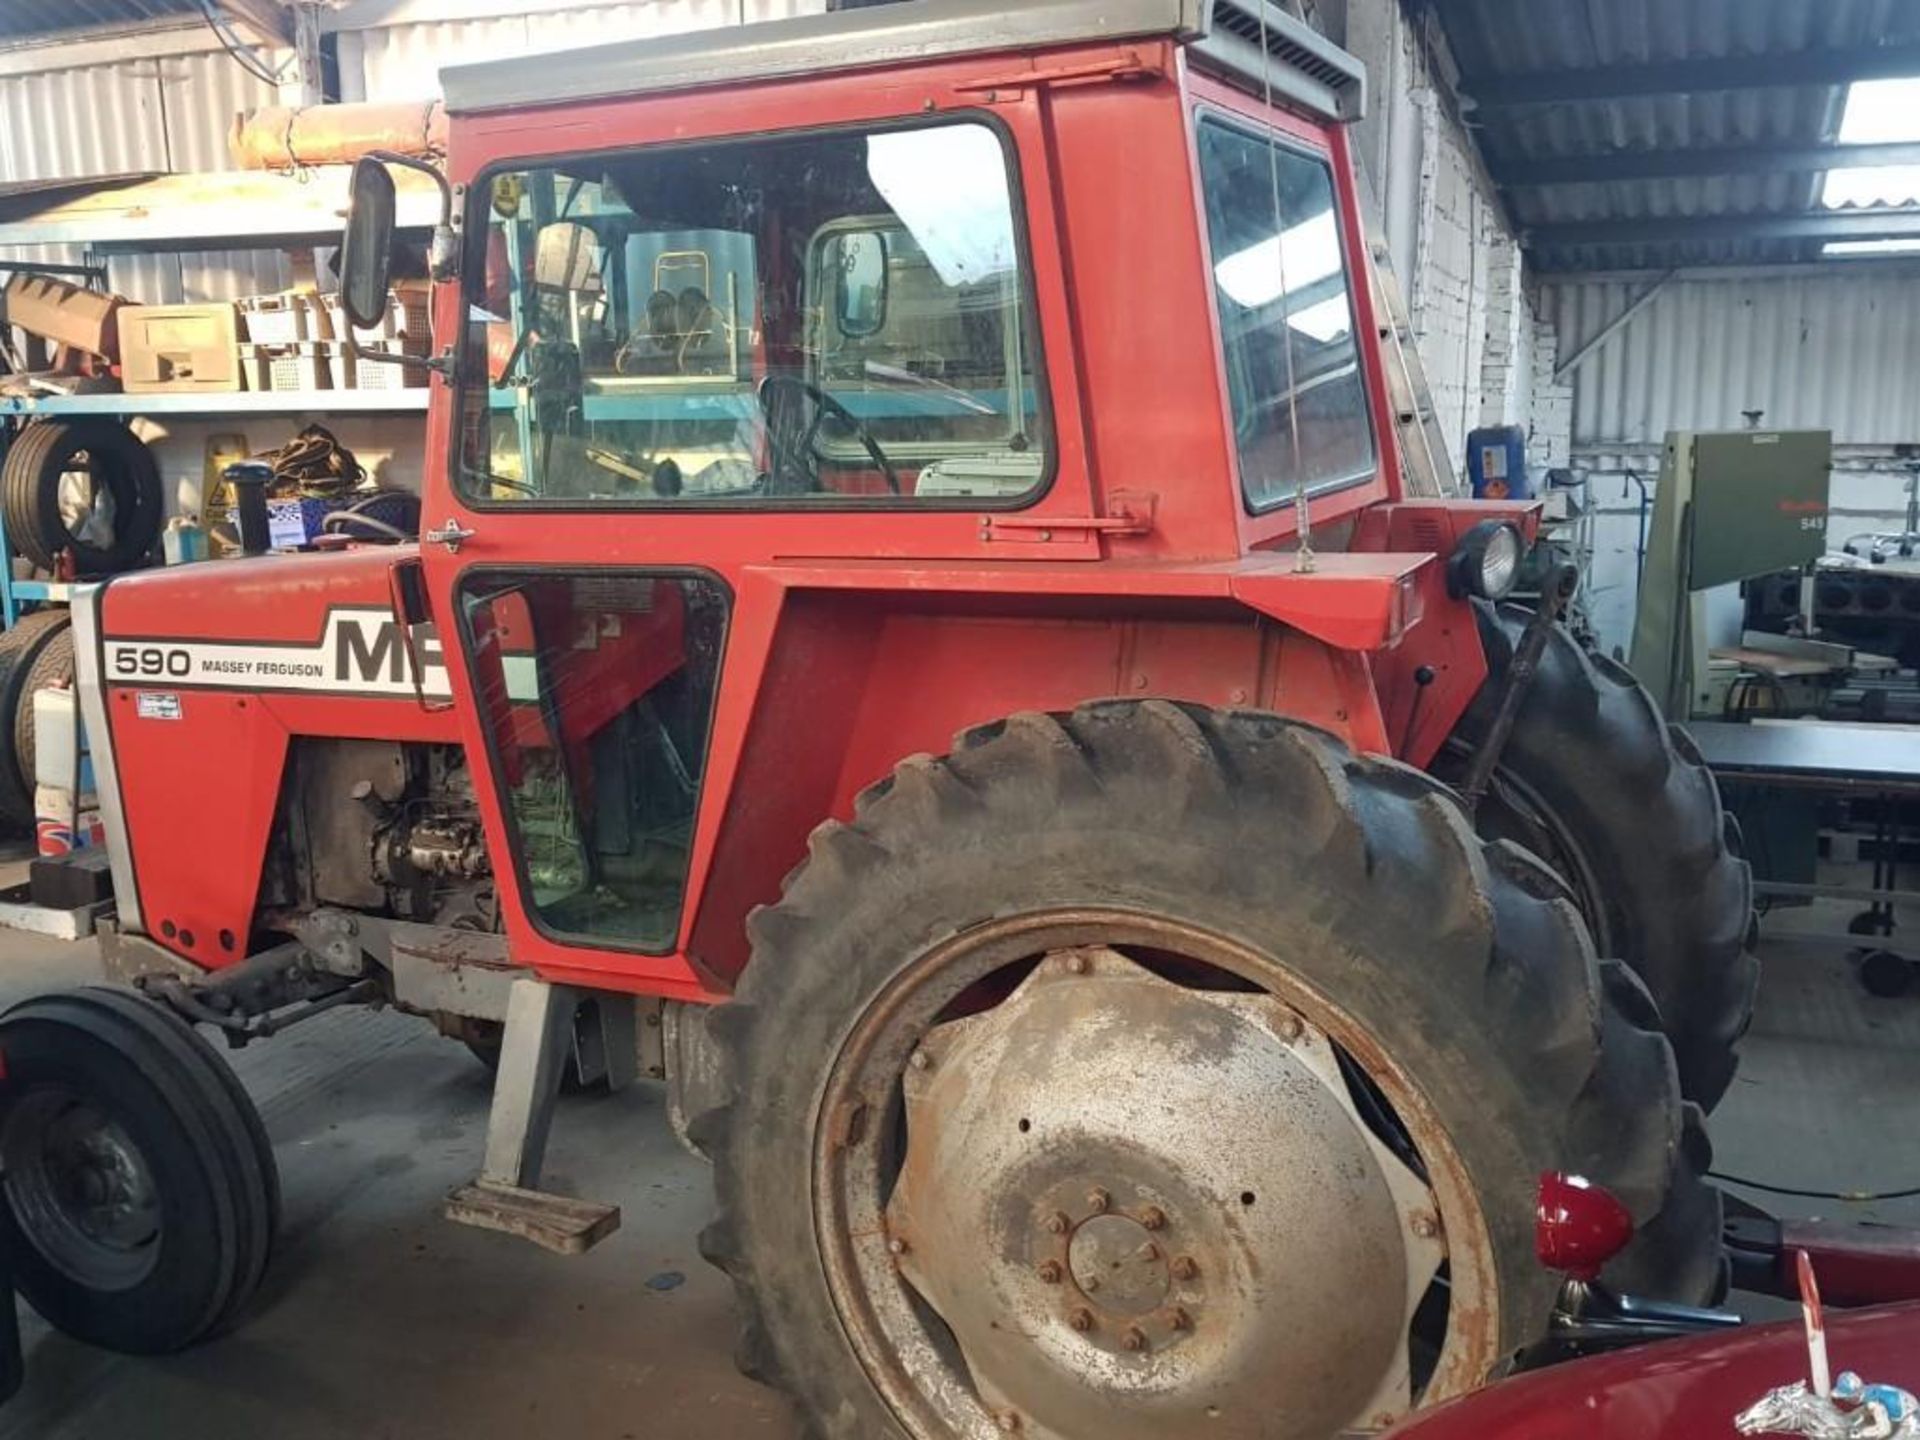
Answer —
1473 319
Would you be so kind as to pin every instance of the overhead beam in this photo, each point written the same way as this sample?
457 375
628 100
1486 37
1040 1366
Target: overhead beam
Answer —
266 16
1525 173
1613 327
1882 223
1686 77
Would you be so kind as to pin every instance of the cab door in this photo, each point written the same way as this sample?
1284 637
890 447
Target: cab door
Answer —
682 363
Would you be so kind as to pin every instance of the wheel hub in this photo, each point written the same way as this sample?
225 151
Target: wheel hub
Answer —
1117 1265
1142 1209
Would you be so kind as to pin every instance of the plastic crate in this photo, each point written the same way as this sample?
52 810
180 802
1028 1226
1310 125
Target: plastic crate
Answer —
282 319
301 366
406 321
378 374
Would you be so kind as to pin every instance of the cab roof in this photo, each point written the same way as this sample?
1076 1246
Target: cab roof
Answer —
1300 66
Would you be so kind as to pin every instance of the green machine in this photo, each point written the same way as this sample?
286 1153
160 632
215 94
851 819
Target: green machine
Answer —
1732 505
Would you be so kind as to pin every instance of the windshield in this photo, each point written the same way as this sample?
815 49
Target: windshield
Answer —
829 318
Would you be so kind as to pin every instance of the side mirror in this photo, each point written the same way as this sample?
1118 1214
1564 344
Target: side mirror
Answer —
366 250
858 259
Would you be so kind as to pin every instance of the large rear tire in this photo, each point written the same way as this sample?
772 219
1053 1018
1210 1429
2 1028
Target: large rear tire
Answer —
1593 780
140 1196
1195 871
21 649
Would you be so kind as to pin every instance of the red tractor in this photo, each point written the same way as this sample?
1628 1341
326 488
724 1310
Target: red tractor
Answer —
916 558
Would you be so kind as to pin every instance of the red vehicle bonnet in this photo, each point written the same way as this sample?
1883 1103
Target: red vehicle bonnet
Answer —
1676 1389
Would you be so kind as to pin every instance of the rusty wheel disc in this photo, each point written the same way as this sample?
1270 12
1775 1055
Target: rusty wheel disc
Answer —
1103 1174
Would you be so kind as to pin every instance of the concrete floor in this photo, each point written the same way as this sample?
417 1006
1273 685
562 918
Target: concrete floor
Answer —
380 1320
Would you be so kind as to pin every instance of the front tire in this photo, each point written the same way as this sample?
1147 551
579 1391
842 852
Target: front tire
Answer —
140 1196
1250 913
1622 805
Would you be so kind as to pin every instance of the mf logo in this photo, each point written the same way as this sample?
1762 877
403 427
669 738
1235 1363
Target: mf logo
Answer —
374 650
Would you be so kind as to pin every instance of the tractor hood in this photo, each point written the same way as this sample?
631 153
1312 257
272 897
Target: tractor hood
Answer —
1675 1389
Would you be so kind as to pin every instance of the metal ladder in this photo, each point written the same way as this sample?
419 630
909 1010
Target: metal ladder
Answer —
1425 466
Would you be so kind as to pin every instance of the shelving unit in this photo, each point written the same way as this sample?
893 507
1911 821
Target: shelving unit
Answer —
230 402
163 214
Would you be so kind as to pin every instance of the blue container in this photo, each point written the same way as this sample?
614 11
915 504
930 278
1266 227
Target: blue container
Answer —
1497 463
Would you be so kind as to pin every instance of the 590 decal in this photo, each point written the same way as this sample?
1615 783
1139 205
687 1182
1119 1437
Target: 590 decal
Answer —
361 651
150 662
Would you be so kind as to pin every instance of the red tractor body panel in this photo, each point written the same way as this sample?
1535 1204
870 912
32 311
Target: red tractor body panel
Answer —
856 636
200 767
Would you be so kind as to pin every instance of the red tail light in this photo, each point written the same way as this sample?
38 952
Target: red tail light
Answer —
1577 1226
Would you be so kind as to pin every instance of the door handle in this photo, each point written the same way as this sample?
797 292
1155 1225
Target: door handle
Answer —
450 533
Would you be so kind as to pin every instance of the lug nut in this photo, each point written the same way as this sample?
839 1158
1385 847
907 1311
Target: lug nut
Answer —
1290 1027
1424 1225
1008 1421
1098 1200
1050 1271
920 1060
896 1246
1057 1223
1076 964
1135 1339
1081 1320
1184 1268
1154 1218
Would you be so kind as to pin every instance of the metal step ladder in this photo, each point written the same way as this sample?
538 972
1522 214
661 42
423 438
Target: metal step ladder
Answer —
1425 464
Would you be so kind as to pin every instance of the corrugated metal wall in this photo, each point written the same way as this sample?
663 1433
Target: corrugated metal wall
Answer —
1829 348
402 62
1834 348
168 113
173 112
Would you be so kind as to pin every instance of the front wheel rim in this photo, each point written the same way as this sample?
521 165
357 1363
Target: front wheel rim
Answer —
80 1190
967 1298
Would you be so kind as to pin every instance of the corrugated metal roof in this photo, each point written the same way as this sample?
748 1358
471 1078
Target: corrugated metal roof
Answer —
1498 38
36 19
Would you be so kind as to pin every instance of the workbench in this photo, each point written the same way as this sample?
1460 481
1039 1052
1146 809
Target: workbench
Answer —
1877 764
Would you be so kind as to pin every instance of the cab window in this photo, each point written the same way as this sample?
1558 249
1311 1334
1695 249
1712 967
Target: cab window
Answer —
1294 383
823 319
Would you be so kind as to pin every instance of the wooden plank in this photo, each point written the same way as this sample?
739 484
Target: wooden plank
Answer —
553 1222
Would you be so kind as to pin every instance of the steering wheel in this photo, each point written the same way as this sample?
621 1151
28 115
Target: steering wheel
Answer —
796 464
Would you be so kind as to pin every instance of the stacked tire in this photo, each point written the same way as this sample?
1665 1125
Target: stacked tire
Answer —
112 526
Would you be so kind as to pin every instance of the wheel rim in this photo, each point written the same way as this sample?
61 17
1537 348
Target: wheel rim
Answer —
1092 1172
78 497
1514 810
80 1190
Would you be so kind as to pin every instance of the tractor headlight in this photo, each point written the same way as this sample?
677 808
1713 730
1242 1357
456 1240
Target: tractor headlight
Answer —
1486 562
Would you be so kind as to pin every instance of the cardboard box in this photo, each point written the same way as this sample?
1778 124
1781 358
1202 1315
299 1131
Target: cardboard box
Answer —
179 347
65 314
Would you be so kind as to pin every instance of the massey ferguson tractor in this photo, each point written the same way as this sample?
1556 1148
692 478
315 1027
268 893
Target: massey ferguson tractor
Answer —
919 638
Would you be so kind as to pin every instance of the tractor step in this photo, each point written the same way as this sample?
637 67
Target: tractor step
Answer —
553 1222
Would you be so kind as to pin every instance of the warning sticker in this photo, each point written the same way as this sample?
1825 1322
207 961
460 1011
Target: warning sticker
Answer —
156 705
